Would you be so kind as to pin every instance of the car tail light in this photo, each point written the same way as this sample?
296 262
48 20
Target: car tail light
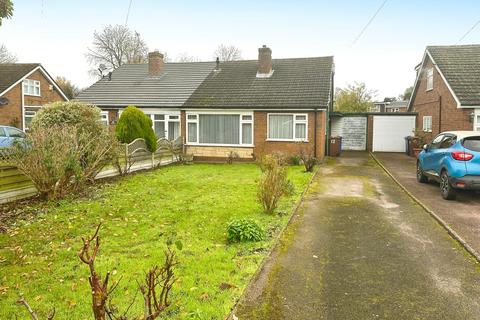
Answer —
462 156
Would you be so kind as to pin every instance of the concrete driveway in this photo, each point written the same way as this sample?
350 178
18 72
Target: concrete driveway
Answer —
360 248
462 215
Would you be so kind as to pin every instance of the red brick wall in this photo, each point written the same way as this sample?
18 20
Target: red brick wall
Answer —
427 103
262 146
11 114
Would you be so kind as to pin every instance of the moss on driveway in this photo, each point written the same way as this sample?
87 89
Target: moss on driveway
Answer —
362 249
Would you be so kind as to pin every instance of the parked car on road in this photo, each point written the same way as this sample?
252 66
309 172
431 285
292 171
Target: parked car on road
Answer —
453 160
8 135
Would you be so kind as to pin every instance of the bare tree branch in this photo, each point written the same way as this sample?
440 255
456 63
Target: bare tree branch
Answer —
6 56
116 45
228 53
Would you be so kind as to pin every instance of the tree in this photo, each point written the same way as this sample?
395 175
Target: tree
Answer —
227 53
134 124
70 90
116 45
406 94
184 57
354 98
6 56
6 9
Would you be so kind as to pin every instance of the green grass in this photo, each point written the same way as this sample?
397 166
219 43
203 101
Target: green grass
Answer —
194 203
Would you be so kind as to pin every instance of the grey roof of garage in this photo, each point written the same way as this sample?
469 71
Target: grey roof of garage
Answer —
461 67
298 83
131 85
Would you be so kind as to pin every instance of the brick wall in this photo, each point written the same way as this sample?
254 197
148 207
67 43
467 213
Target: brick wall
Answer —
427 103
262 146
11 114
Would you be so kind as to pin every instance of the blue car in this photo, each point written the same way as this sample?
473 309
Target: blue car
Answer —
453 160
8 135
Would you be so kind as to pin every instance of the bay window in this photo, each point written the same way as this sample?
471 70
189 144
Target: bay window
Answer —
287 127
220 129
31 87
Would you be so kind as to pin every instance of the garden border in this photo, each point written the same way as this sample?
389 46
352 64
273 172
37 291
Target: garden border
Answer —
276 242
437 218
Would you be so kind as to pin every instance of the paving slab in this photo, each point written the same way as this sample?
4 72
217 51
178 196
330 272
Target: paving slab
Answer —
368 252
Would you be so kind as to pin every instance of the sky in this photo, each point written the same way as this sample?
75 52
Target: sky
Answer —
57 33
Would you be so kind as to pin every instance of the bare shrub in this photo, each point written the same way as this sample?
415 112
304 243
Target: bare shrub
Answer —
309 161
273 183
60 159
232 156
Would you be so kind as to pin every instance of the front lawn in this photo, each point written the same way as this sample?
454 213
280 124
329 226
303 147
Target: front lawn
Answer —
38 257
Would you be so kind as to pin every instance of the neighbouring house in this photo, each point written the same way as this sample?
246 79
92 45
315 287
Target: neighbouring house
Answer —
389 106
24 88
248 107
446 94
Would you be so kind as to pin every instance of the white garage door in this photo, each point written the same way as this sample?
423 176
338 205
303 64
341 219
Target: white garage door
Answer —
353 131
389 132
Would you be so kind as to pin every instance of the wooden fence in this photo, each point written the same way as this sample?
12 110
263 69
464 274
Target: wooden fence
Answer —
14 185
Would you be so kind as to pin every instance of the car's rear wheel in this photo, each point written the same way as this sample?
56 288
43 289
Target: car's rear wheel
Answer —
421 177
446 189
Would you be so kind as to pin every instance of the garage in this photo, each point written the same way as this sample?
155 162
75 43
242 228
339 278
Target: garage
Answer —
352 129
389 132
377 132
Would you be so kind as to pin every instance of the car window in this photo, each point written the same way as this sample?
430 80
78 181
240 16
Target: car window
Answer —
472 143
436 142
447 142
15 133
2 133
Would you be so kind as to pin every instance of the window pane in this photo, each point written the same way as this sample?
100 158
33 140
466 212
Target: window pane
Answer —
280 126
247 133
247 118
173 130
219 128
192 132
300 131
158 117
15 133
192 117
301 117
159 128
2 133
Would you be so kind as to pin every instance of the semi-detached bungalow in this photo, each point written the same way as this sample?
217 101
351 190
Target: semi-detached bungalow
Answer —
249 107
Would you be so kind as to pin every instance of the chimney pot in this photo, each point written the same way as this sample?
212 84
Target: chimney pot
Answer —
264 60
155 63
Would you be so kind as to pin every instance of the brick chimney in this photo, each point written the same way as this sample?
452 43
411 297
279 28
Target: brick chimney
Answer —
155 63
264 61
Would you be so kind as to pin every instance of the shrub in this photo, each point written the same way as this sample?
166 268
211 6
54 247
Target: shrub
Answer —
232 156
309 161
273 184
61 159
244 230
134 124
295 160
84 117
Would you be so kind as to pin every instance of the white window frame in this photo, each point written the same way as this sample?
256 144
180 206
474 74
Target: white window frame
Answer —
295 122
31 114
242 121
104 117
427 123
167 117
34 84
429 77
476 120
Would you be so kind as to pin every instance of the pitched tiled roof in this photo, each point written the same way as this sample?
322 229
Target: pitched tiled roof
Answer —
131 85
300 83
461 67
12 72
